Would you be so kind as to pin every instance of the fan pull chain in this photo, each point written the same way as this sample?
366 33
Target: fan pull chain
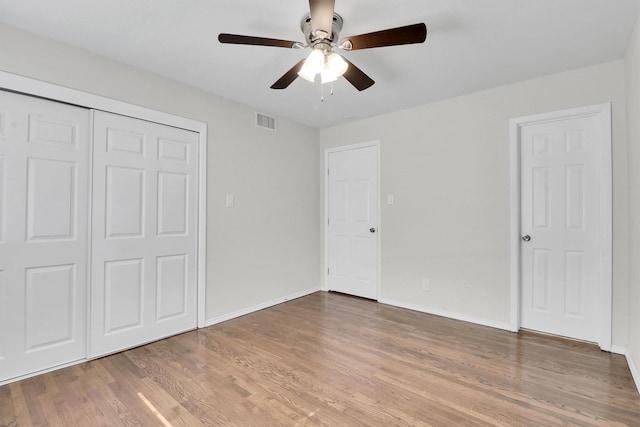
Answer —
322 91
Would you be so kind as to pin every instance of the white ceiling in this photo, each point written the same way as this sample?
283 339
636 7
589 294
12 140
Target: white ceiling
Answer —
471 45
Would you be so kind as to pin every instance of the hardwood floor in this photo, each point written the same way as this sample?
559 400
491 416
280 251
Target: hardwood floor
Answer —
329 359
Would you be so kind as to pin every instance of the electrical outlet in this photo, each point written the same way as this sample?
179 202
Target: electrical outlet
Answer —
425 285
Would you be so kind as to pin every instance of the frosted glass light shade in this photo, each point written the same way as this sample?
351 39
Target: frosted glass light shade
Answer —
313 65
329 66
335 66
307 73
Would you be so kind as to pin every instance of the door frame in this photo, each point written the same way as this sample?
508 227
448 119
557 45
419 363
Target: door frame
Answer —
605 169
33 87
325 168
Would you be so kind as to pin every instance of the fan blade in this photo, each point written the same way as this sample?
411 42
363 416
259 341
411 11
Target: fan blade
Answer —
288 77
322 17
357 77
416 33
255 41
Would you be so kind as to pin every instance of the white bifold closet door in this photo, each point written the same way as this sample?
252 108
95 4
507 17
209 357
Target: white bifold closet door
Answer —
44 203
144 232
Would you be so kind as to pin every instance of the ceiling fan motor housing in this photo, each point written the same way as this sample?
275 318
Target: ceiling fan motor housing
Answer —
314 39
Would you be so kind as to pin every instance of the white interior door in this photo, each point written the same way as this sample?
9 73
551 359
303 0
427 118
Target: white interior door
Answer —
44 161
560 207
352 227
144 232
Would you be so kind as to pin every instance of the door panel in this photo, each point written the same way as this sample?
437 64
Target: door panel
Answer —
51 187
172 204
44 162
574 286
123 296
173 150
353 213
575 197
561 212
52 290
541 198
540 282
172 286
125 142
45 129
144 241
125 190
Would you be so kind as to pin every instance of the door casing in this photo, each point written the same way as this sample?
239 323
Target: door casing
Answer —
376 144
603 113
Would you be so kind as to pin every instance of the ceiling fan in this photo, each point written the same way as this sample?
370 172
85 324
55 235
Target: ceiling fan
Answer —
321 28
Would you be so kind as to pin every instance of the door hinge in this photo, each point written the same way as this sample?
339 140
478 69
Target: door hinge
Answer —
328 221
327 171
328 271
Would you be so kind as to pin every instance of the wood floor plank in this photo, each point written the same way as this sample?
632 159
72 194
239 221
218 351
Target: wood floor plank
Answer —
20 403
7 410
332 360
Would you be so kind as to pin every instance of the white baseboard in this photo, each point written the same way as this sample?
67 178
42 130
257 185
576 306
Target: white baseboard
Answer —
448 314
634 370
618 349
258 307
43 371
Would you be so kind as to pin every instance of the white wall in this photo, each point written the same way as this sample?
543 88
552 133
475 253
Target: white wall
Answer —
447 164
264 249
632 74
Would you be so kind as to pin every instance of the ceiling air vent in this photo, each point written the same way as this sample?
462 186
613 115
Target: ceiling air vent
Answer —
264 121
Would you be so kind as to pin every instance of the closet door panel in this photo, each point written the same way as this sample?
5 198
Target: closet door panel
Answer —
49 290
144 241
125 203
51 198
44 172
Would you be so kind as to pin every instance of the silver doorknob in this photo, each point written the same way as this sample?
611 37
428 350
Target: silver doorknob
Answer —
372 230
526 238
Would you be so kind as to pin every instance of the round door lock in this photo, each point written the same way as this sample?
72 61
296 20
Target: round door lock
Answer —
372 230
526 238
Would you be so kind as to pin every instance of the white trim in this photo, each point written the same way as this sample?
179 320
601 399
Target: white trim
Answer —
606 229
447 314
376 144
54 92
43 371
635 373
87 307
202 226
262 306
618 349
603 111
514 236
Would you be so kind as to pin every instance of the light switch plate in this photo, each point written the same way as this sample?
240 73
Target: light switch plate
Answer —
390 199
230 201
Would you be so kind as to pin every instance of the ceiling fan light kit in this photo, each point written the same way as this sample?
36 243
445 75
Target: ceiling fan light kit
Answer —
313 65
335 67
328 64
321 27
